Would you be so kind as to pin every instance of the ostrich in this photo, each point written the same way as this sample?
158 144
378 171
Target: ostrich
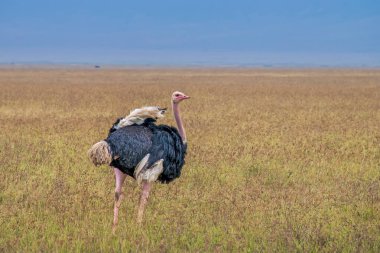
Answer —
139 148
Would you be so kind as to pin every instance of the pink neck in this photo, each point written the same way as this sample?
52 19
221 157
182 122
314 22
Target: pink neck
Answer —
178 120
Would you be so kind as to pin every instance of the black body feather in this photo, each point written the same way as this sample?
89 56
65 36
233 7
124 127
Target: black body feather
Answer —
130 144
113 128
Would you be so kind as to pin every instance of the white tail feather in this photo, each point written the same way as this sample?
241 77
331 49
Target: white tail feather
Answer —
100 153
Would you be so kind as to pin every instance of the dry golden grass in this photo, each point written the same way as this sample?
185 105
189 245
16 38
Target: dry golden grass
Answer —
278 160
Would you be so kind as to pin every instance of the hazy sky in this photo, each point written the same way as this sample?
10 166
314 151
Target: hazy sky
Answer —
236 32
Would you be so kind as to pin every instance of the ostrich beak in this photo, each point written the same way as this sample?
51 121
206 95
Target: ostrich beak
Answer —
185 97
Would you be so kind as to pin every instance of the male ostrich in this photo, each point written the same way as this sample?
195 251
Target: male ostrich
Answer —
139 148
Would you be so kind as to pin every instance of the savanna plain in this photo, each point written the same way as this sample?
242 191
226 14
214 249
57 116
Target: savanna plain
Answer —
278 161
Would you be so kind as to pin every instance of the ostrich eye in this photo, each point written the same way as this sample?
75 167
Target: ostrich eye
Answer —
177 95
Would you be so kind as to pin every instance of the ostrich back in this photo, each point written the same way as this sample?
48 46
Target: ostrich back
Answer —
131 143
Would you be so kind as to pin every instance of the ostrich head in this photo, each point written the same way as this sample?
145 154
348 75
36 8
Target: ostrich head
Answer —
178 97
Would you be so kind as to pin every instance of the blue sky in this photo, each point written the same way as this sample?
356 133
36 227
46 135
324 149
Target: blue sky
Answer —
196 32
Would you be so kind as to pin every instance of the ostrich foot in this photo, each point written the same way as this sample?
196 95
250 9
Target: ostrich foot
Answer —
118 197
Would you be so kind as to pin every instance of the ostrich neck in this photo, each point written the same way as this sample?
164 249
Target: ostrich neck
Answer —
178 120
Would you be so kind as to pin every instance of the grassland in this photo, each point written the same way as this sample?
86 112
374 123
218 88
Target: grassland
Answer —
278 161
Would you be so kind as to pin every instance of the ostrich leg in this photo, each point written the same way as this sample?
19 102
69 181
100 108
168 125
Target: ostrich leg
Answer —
147 178
119 180
145 190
